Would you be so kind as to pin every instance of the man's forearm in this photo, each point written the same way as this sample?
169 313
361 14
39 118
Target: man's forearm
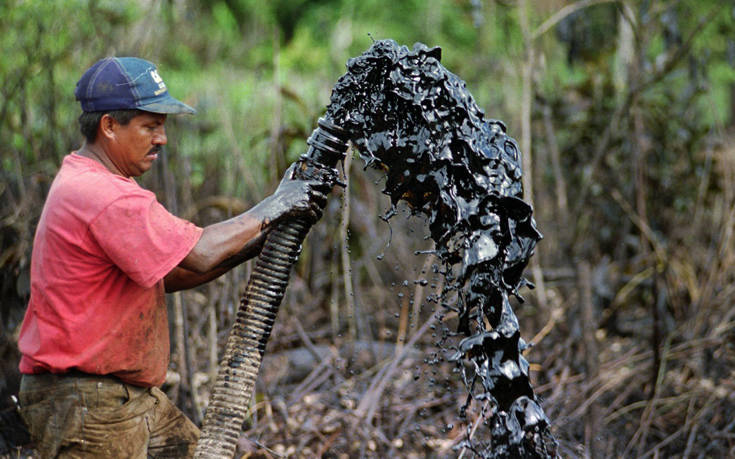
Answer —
222 241
181 278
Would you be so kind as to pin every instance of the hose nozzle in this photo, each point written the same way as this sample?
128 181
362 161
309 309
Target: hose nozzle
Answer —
327 144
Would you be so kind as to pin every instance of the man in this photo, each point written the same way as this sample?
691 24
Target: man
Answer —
94 340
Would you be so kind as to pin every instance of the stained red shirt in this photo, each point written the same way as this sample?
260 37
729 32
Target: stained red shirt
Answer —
101 249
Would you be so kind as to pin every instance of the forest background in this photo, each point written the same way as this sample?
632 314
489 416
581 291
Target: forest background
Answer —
624 111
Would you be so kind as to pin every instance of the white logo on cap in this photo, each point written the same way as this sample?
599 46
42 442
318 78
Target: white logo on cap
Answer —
157 78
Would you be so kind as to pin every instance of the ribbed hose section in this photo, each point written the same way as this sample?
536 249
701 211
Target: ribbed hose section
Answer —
259 306
245 346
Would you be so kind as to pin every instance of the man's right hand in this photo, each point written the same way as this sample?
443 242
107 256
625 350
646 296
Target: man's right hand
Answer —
228 243
305 198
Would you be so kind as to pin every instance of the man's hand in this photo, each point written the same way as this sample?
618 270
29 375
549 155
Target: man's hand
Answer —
304 198
226 244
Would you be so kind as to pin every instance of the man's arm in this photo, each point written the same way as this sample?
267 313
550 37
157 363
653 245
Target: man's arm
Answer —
181 278
223 241
225 245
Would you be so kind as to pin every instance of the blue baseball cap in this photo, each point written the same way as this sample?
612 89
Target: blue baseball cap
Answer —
120 83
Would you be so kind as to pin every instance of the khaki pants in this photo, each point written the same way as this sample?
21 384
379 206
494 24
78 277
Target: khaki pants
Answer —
85 416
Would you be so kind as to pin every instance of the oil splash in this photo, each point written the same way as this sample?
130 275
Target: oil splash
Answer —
415 120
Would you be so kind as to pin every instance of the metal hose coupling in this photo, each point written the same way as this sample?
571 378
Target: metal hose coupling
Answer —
238 370
327 146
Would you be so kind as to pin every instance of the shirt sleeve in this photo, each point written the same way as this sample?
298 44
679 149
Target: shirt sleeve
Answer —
142 238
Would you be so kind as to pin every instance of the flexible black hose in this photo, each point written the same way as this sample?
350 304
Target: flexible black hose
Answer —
259 306
248 338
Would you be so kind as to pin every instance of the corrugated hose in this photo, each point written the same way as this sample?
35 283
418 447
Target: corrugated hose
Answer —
238 370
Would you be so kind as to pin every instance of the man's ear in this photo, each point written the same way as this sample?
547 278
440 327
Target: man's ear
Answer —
107 126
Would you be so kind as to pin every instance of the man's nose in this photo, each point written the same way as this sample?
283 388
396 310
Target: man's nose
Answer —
160 137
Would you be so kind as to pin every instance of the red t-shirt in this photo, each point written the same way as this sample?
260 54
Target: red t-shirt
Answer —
102 247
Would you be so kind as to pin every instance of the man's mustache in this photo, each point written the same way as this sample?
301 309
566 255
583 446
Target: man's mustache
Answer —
155 150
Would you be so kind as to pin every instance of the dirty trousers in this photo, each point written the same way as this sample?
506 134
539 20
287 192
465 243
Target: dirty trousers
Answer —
86 416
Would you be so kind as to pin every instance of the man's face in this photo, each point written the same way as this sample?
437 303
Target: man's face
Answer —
136 145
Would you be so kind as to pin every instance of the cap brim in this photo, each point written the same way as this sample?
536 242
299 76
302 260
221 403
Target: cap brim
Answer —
168 106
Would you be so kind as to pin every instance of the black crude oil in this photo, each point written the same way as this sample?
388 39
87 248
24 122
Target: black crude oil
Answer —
415 120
